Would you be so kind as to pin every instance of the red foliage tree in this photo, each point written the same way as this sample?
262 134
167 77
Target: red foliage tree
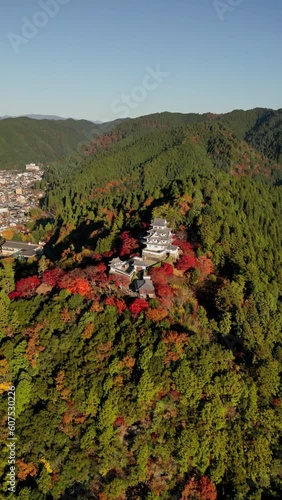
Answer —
128 244
186 262
119 280
52 276
25 287
138 306
158 275
185 246
276 402
205 265
164 291
96 273
101 268
119 421
109 254
97 257
119 304
167 268
33 348
102 142
76 282
66 280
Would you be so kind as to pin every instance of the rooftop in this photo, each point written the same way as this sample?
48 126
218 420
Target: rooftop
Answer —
159 222
144 286
19 245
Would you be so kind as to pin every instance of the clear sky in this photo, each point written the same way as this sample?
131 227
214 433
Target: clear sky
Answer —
102 59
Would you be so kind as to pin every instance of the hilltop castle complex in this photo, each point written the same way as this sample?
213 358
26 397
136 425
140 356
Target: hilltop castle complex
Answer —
158 246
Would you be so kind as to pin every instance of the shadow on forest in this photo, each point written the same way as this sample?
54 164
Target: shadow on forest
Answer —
81 236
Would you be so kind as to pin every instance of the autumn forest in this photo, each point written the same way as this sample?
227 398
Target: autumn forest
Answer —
176 397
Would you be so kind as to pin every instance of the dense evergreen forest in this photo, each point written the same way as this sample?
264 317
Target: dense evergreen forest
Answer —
172 398
25 140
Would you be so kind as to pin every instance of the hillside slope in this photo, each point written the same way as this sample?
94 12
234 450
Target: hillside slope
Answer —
145 155
260 128
176 397
24 140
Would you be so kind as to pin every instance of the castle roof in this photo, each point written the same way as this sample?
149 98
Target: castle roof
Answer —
159 222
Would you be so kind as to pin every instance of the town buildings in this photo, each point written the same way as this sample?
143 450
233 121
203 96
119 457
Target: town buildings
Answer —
17 197
32 167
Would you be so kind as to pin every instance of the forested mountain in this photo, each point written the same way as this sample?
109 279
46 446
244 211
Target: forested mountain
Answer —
260 128
24 140
148 153
176 397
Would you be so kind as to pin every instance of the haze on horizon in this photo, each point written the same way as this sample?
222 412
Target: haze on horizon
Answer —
106 60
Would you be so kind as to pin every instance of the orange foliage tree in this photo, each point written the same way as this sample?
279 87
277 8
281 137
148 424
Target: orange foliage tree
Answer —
25 470
156 315
202 489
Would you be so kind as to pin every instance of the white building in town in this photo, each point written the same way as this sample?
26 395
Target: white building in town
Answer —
32 167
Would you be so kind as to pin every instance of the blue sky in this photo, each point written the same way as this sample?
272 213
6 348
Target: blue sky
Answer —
98 59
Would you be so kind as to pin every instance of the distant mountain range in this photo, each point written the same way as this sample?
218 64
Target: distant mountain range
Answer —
223 137
24 140
44 117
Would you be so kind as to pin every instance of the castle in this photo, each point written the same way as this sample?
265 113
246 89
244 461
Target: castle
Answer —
159 241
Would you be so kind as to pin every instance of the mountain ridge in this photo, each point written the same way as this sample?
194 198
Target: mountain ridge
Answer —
26 139
49 117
